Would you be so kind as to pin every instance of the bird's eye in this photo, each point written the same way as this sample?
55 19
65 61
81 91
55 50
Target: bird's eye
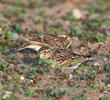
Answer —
45 51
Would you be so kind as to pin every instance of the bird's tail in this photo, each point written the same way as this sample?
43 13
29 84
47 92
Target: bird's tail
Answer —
82 60
17 49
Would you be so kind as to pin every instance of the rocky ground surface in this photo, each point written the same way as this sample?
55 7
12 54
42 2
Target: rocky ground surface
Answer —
24 76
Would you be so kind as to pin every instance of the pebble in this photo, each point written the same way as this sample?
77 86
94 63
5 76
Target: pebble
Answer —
70 76
96 64
77 13
22 78
1 30
7 94
15 35
30 81
108 85
75 38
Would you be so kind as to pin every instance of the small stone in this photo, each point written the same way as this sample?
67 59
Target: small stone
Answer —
70 76
77 13
108 85
22 78
75 38
30 81
1 31
15 35
106 92
96 64
7 94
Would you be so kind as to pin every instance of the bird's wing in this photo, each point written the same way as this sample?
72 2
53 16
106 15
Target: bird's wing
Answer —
62 59
36 41
52 40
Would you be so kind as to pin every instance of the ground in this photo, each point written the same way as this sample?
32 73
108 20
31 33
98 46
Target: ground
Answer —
25 76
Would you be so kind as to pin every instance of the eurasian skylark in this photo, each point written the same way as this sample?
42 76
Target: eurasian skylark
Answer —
63 56
51 41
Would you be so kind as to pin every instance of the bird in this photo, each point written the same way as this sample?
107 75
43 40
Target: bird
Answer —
62 56
49 40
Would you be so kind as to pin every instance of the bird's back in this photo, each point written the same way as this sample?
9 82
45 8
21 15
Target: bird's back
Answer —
52 41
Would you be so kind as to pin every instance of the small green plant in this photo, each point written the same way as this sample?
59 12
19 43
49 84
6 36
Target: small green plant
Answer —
4 65
30 91
16 86
77 71
60 83
107 79
56 65
15 97
48 61
64 75
58 94
82 67
80 97
17 76
40 61
78 32
66 66
21 17
101 1
58 70
58 31
89 68
46 75
40 2
1 72
48 92
73 25
67 91
26 66
7 11
1 86
97 87
8 98
18 1
18 28
107 22
7 85
88 76
36 68
108 67
98 38
42 12
89 88
10 35
104 98
2 26
76 62
3 34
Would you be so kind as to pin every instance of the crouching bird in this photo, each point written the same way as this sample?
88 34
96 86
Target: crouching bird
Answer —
63 56
49 40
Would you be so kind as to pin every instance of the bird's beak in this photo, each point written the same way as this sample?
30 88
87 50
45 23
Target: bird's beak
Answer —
69 44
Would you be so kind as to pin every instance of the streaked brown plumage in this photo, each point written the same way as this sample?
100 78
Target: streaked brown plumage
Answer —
51 41
62 56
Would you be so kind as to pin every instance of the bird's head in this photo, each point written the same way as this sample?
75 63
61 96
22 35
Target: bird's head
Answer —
65 37
45 53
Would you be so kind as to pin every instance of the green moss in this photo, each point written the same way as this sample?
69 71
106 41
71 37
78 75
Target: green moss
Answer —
60 83
30 91
80 97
